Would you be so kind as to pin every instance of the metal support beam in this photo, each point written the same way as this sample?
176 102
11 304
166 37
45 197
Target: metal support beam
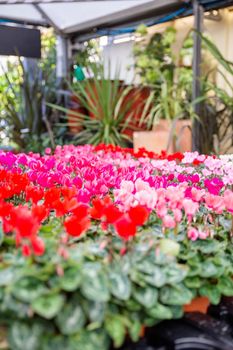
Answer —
198 25
47 18
62 58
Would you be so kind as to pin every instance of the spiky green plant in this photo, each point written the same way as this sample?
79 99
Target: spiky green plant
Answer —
109 108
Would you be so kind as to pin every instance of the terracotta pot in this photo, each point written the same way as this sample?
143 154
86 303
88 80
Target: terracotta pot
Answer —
137 97
160 138
76 107
199 304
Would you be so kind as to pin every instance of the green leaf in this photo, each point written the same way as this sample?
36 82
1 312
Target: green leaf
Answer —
175 295
207 246
194 270
211 292
55 343
95 283
48 305
208 269
71 279
135 328
23 336
168 246
94 310
177 311
226 223
133 305
89 340
217 54
13 306
71 319
192 282
1 235
28 288
116 329
120 285
7 276
146 266
225 286
160 312
146 296
157 279
175 273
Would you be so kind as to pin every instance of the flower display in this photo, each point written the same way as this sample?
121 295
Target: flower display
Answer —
133 236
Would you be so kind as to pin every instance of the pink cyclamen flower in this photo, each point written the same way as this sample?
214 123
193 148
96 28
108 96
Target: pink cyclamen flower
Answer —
168 221
48 150
197 194
203 234
215 202
177 214
190 207
228 200
193 234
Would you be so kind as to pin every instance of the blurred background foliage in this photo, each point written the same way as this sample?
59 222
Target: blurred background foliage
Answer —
25 88
28 122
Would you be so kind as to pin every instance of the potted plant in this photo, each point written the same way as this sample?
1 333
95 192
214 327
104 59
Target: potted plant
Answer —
108 111
169 122
89 272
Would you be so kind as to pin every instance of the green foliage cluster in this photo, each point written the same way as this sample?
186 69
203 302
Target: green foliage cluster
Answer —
88 53
97 297
23 111
216 104
106 115
154 56
158 67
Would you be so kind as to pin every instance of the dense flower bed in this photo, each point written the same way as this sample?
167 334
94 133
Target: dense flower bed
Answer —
97 242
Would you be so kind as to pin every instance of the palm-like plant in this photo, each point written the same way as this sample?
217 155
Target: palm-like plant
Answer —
109 109
217 106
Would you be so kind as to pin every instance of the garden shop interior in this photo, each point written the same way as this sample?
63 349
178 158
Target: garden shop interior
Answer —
116 175
113 25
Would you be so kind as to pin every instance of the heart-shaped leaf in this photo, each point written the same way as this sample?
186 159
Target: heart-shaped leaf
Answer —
146 296
160 312
95 283
120 285
71 319
48 305
71 279
28 288
157 278
175 295
23 336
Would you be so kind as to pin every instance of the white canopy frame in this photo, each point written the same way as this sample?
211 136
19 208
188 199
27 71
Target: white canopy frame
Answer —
81 16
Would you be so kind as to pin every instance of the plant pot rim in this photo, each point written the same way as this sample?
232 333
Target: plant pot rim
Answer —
198 304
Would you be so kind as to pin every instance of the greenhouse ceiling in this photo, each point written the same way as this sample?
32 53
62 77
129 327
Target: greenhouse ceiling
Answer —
81 17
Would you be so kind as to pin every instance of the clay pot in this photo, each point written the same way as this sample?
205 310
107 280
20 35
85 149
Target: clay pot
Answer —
76 107
199 304
137 97
161 138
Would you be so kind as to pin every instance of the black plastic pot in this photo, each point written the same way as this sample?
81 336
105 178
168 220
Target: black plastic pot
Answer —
195 331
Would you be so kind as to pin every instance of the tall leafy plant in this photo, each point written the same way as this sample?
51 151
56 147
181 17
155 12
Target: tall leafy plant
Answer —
108 106
153 55
158 67
217 105
24 113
